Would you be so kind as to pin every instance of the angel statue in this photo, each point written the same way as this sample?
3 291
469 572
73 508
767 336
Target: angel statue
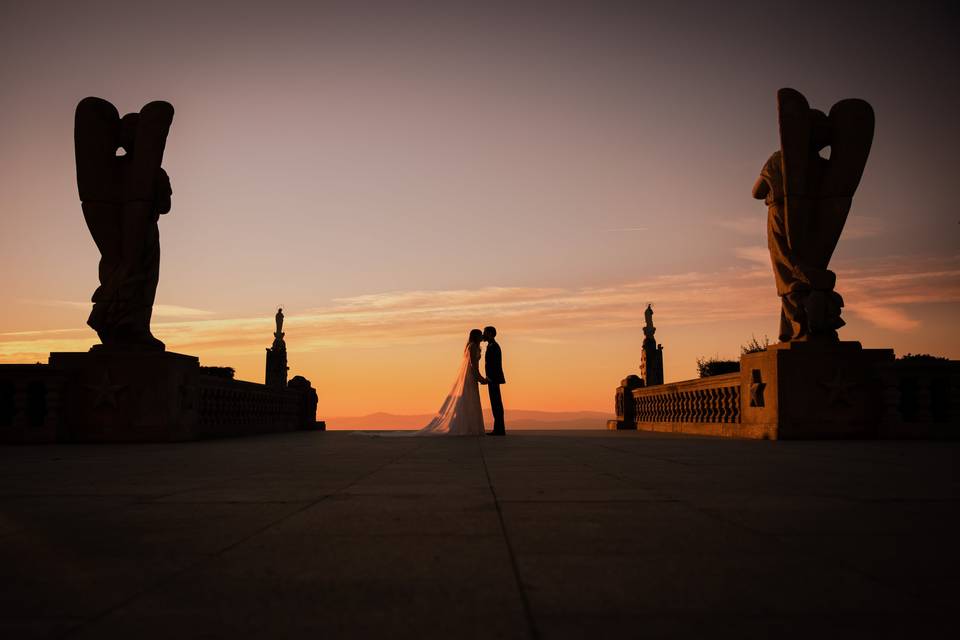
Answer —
808 198
123 190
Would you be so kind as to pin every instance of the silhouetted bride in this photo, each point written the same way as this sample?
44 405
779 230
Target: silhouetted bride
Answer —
461 414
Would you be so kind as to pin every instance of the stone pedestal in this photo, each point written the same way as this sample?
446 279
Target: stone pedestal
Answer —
128 397
802 390
651 363
276 366
651 359
625 406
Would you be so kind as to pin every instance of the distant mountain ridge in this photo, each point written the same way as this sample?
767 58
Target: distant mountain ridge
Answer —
515 419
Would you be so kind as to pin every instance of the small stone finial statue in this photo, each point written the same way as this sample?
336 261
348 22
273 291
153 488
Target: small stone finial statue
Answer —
648 328
651 357
279 319
808 199
123 197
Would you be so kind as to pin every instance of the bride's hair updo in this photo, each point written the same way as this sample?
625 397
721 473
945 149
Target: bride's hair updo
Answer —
475 336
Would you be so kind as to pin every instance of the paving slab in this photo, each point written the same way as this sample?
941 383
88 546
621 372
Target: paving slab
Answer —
537 535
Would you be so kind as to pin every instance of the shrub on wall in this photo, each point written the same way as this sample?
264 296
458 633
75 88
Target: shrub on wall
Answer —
707 367
755 346
922 357
218 372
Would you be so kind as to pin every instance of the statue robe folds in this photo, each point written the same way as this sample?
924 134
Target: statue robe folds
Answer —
809 198
123 197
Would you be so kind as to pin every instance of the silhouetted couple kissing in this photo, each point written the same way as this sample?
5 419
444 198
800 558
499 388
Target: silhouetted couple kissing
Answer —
461 414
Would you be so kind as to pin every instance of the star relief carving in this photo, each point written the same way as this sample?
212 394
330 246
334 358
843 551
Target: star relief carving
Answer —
839 387
106 392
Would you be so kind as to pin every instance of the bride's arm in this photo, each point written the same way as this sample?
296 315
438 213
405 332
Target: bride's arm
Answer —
475 363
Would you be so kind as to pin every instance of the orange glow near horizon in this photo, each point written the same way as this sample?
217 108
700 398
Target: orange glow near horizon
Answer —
565 349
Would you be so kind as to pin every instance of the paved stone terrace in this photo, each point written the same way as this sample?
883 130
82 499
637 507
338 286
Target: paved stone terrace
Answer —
536 535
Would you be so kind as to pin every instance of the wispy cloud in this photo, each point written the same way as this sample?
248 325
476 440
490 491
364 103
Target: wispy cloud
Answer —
756 254
857 226
174 311
892 318
159 310
880 292
745 225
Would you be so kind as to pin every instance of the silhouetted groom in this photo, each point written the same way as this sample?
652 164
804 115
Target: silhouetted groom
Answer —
493 368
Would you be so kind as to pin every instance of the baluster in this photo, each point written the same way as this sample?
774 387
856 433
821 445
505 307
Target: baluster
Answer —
736 401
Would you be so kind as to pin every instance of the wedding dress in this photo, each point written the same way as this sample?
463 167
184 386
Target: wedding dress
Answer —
460 414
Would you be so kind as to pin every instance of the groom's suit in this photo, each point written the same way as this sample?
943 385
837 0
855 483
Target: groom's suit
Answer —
493 368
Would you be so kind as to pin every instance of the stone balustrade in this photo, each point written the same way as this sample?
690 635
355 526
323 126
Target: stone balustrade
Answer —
922 399
236 407
30 403
35 401
706 406
705 400
801 391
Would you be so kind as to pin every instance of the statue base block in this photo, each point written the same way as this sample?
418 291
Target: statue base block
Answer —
128 396
803 390
151 396
621 425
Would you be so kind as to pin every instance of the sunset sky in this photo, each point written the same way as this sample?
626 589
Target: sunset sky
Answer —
395 174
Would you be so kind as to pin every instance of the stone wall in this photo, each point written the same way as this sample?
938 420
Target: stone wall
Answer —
799 391
922 399
705 406
30 403
145 398
714 400
236 407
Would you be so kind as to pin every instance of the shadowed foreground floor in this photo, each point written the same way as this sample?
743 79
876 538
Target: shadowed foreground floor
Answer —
539 534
